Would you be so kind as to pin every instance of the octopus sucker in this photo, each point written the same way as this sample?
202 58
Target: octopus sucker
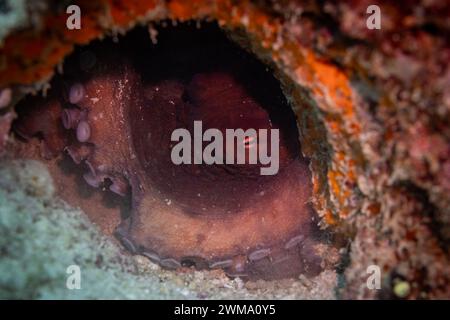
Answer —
115 120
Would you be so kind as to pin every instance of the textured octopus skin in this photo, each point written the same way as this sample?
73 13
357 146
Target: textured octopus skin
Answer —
104 121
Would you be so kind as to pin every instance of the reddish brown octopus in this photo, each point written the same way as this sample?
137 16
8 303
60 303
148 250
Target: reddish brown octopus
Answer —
114 108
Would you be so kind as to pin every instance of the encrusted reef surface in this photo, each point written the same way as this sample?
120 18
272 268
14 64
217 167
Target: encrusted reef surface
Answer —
372 105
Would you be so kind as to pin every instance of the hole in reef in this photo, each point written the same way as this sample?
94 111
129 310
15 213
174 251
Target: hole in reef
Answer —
194 75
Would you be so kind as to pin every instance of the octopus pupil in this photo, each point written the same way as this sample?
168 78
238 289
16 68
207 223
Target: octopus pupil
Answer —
191 214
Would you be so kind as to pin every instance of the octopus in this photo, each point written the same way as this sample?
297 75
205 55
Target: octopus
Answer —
371 109
113 110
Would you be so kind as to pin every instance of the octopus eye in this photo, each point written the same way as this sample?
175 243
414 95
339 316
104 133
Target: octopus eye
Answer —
113 112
